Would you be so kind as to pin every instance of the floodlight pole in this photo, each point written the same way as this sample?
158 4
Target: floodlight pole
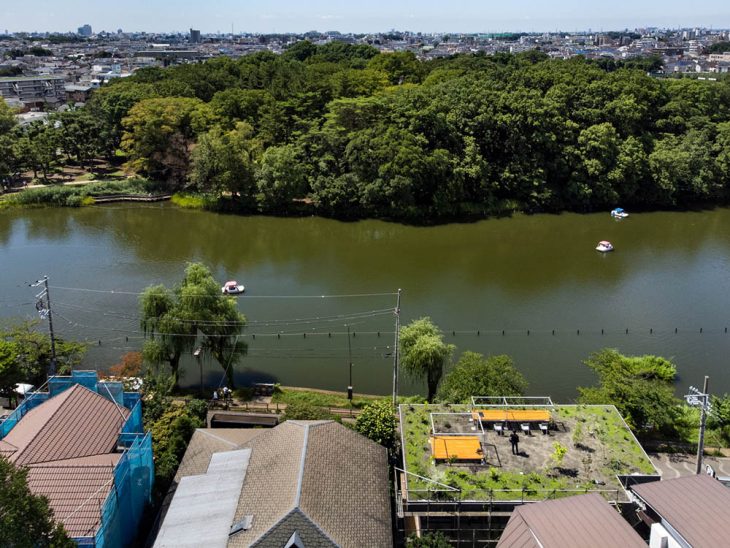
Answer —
703 419
395 351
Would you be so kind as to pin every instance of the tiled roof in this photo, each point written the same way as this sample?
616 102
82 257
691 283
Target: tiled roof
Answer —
345 486
317 478
75 493
205 442
697 507
270 488
572 522
68 444
76 423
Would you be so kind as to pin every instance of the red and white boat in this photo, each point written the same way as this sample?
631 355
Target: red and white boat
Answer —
232 287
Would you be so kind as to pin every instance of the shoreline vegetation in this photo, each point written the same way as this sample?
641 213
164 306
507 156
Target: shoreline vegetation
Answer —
344 131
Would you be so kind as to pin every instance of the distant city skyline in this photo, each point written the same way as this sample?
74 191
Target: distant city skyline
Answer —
258 16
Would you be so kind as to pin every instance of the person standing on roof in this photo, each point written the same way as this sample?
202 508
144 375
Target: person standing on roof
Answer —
514 440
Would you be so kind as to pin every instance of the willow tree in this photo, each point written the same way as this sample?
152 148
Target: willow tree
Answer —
424 353
192 314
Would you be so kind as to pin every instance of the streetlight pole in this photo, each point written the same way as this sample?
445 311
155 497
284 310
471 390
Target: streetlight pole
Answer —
196 353
349 355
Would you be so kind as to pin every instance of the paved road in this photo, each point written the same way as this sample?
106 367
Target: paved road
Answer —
675 465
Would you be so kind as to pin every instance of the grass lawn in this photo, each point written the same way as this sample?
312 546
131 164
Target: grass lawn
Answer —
322 398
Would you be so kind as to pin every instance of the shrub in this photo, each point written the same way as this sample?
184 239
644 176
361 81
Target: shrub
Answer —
428 540
377 423
306 412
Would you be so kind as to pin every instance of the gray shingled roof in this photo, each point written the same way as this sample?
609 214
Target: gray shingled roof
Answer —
317 478
572 522
697 507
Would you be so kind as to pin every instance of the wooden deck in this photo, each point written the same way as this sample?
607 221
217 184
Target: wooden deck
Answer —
107 199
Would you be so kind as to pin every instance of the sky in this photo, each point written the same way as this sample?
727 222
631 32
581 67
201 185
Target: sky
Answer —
269 16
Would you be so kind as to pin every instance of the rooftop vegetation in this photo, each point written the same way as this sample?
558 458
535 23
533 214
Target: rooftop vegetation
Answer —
590 447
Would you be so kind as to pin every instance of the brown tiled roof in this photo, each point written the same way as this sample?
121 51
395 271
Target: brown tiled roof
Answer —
68 445
76 423
76 493
572 522
697 507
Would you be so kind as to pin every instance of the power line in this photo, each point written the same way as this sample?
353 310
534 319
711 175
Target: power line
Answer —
253 323
206 296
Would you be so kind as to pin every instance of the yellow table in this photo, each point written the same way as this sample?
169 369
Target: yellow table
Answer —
456 447
516 415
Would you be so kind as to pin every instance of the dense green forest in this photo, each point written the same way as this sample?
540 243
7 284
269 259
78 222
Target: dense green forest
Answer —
358 133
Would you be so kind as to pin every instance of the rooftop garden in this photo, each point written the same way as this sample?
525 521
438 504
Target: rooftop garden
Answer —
587 447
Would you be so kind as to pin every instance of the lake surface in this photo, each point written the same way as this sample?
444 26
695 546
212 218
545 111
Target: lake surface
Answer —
309 279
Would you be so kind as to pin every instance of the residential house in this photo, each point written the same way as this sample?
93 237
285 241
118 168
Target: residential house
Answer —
692 511
303 483
572 522
84 448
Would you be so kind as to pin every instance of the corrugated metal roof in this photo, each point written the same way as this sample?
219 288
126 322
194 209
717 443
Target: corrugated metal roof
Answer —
201 513
76 423
697 507
572 522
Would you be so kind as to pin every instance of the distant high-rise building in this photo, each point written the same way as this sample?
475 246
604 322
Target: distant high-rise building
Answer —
194 36
85 30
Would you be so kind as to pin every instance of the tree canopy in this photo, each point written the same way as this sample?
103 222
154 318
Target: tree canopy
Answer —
641 388
388 135
194 313
25 355
424 353
475 375
26 520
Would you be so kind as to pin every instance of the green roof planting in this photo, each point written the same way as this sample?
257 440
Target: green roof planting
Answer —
598 449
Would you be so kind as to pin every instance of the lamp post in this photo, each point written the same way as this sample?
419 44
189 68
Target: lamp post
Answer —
196 353
349 355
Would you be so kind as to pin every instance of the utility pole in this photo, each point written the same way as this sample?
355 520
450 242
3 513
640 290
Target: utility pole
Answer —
395 351
702 400
703 420
45 310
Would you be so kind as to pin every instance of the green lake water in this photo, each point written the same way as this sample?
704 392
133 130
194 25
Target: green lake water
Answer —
526 273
